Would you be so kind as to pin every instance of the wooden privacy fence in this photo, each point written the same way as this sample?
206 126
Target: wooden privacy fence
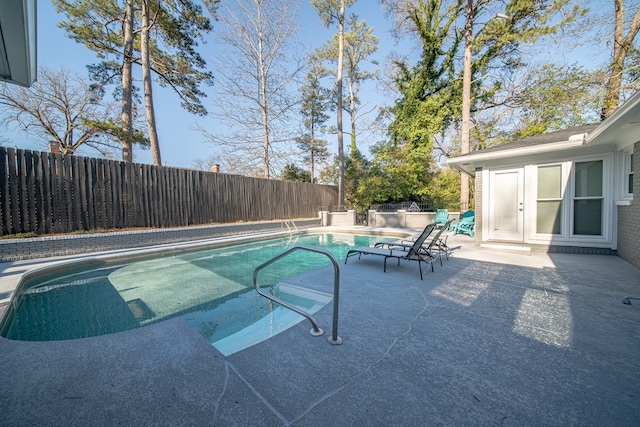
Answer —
51 193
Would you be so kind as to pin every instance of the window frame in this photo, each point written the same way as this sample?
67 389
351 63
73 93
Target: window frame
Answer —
561 199
602 198
629 174
567 237
625 159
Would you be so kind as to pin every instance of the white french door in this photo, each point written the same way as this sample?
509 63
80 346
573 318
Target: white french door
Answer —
506 194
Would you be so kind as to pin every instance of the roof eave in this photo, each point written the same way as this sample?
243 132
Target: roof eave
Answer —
467 163
620 126
18 50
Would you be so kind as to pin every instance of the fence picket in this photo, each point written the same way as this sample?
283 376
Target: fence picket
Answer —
13 192
108 196
31 190
38 206
22 190
68 220
90 165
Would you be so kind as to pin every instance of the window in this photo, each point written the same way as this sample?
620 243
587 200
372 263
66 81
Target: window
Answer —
630 174
588 198
549 200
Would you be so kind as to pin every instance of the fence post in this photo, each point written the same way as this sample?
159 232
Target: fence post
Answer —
371 217
324 218
402 217
351 217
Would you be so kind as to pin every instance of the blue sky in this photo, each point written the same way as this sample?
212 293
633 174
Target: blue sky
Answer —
180 144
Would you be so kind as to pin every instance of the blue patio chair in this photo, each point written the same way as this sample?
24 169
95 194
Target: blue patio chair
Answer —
465 223
442 216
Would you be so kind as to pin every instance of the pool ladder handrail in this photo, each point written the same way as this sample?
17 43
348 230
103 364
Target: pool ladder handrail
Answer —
286 223
315 331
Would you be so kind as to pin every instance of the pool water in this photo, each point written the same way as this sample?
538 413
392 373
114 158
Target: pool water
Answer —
211 288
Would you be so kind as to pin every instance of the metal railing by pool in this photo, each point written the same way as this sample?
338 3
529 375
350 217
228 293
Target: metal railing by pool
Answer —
316 331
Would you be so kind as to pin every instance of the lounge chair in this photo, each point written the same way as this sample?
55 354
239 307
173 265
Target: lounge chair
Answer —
438 242
415 252
465 224
405 242
442 216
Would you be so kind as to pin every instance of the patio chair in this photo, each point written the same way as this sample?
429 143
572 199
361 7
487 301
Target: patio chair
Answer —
442 216
438 242
415 252
465 224
404 242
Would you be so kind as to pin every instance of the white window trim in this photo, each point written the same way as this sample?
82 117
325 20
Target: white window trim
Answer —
532 220
568 177
607 200
623 197
630 173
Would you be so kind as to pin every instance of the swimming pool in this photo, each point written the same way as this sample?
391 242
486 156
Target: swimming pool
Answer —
210 288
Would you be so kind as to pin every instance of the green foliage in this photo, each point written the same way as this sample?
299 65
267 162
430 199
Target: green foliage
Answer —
632 70
502 30
315 149
444 189
558 97
178 25
430 95
291 172
396 175
330 173
28 235
403 170
430 102
315 101
328 10
113 128
357 169
431 90
359 45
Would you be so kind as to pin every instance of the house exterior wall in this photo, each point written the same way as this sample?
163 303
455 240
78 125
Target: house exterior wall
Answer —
606 243
629 218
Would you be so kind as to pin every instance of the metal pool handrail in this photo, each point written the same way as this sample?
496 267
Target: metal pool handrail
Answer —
293 225
316 331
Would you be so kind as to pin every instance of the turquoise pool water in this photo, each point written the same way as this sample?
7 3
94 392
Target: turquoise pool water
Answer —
211 288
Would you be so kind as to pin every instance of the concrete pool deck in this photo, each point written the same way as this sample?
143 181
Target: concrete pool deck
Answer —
489 338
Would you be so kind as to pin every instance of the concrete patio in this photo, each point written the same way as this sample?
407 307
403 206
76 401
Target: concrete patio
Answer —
489 338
